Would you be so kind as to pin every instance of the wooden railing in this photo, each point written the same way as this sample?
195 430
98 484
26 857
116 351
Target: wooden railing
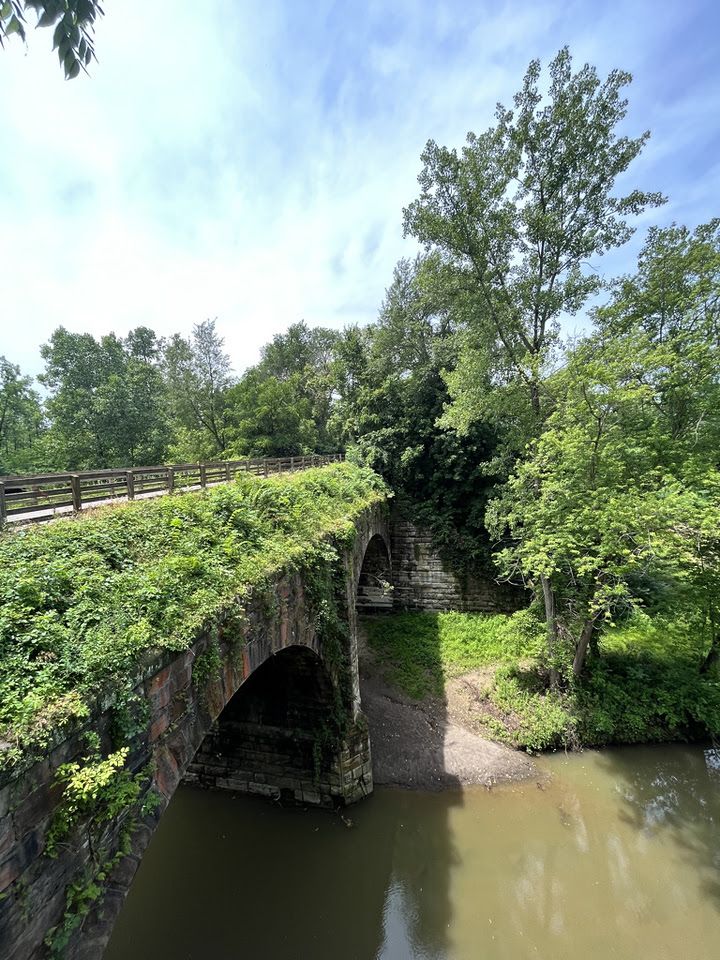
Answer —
44 496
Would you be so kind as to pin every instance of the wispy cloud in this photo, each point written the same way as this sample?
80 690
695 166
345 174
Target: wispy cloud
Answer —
251 162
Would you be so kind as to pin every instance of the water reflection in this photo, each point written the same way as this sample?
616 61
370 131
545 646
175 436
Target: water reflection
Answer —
228 878
671 795
617 856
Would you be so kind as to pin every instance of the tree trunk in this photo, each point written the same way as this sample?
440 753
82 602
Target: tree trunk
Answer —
549 599
535 399
713 657
581 649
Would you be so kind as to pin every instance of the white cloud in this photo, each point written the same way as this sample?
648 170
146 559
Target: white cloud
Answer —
251 163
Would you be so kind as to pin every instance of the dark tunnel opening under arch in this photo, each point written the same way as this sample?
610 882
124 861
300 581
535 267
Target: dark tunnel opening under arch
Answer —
374 590
278 736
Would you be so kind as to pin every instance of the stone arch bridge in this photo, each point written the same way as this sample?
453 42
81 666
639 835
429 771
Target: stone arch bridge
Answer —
268 704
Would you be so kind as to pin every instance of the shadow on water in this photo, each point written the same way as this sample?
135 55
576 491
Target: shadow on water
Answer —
239 878
229 877
409 744
673 795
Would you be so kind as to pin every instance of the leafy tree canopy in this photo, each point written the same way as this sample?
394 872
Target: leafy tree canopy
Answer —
107 400
621 490
270 417
21 419
390 395
198 374
517 214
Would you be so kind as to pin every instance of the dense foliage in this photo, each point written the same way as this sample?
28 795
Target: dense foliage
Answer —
391 396
144 400
21 418
599 485
616 504
82 601
514 219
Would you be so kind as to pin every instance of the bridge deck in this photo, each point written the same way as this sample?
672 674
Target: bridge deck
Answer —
40 497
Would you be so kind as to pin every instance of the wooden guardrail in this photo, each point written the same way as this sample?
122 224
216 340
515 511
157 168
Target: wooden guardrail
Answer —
43 496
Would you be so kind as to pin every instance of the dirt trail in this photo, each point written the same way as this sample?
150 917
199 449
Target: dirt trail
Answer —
431 744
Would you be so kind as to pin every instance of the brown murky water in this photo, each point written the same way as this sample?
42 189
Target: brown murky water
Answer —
617 857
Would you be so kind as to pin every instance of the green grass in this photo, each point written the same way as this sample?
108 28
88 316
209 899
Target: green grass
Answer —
419 651
645 686
83 601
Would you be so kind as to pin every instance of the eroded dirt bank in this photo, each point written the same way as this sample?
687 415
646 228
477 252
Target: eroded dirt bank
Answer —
430 745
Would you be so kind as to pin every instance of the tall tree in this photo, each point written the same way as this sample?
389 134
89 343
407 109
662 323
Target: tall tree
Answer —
672 306
21 418
306 355
269 417
107 401
623 484
516 216
198 374
391 394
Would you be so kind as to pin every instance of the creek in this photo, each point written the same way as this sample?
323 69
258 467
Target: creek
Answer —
608 854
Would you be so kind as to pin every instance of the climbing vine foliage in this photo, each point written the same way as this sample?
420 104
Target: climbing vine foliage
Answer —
103 799
99 791
84 601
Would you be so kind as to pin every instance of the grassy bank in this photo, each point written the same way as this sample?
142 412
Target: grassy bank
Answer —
644 684
83 600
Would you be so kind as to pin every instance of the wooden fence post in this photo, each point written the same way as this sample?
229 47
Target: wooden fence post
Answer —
227 471
76 492
171 479
130 481
203 475
3 505
265 466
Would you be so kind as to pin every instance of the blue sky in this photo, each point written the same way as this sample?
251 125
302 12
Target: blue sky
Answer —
250 161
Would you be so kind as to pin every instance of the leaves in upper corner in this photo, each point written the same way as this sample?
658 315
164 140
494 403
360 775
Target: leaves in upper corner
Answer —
74 22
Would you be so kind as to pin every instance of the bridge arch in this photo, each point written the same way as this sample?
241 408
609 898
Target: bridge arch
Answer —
188 702
281 735
374 589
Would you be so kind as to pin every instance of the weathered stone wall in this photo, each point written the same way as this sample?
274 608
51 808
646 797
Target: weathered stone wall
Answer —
278 738
279 763
179 714
422 580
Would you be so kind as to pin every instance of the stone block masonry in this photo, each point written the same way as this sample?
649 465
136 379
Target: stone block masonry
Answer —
283 764
281 736
423 580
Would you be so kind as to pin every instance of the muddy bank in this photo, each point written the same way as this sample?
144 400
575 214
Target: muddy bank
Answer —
430 745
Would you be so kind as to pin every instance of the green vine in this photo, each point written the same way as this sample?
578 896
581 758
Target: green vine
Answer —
324 582
129 717
207 667
105 798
